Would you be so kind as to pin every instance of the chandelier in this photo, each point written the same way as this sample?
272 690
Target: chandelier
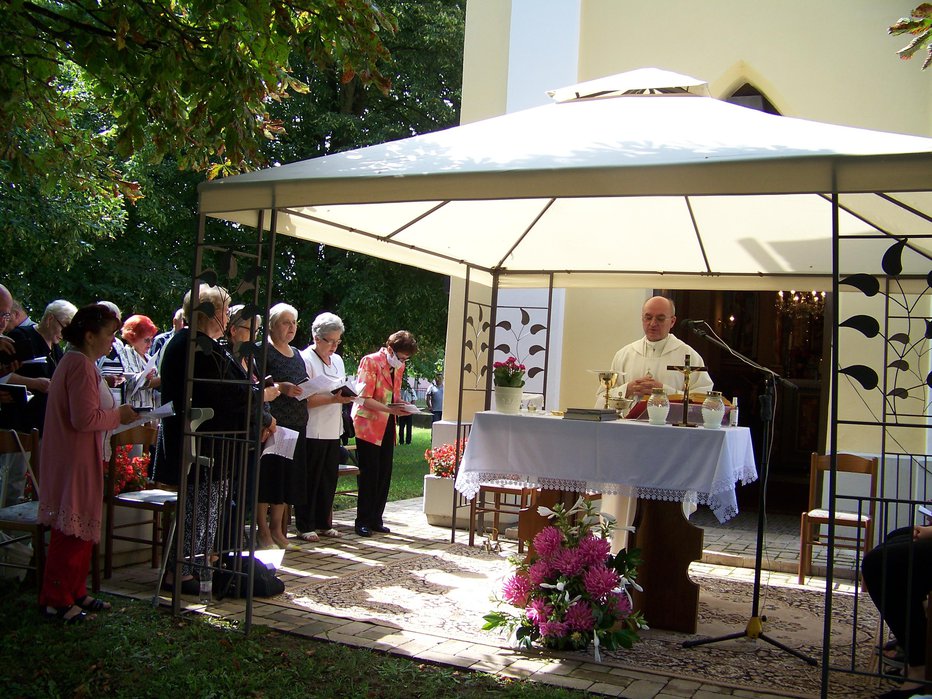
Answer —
800 304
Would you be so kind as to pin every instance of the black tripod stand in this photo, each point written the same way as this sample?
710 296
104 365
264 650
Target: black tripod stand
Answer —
755 626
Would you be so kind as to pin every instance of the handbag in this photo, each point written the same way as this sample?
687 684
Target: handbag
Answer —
229 583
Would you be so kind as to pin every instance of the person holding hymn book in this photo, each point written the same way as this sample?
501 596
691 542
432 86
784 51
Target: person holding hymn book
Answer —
324 427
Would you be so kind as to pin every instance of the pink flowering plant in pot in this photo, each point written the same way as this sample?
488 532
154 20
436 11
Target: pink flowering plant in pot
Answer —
508 373
572 591
442 460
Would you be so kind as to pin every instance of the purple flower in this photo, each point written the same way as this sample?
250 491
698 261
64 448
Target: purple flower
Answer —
621 603
538 611
548 541
600 581
540 571
517 589
569 562
579 616
594 549
553 629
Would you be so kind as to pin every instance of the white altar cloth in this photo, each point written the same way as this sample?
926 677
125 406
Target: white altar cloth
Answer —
657 462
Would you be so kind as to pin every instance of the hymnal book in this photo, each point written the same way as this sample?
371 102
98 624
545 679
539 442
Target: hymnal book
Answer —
345 391
594 414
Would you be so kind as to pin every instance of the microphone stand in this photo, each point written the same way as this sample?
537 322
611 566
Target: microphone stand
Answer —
755 625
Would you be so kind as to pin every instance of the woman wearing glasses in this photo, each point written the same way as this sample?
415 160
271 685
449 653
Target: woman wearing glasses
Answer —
139 390
324 428
380 377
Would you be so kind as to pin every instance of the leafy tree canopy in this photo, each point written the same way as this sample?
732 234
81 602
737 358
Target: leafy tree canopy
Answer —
186 78
919 24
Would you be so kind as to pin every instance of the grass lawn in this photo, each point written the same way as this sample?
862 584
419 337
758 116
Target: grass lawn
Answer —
137 651
408 471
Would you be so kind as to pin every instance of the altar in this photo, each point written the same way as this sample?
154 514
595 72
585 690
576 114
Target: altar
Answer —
662 465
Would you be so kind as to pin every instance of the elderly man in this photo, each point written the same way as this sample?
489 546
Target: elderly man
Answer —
643 364
20 317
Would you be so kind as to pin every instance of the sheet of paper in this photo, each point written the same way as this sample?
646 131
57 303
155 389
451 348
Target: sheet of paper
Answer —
148 416
151 364
407 407
281 442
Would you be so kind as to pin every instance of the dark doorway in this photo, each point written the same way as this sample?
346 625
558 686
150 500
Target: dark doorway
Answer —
786 334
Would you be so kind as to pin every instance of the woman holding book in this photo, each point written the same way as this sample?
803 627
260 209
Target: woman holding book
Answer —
380 376
324 428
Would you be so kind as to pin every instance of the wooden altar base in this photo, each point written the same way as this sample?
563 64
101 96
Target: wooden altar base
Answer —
668 543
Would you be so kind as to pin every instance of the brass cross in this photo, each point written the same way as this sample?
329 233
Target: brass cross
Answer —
687 369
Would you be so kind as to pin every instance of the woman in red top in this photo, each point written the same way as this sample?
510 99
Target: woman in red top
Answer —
72 486
379 380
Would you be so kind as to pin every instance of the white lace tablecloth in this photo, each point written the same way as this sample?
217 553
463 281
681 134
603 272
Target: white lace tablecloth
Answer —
658 462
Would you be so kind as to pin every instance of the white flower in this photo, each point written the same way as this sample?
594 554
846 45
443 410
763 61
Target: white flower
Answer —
545 511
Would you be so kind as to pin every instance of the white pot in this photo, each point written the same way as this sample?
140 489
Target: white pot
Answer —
438 503
508 399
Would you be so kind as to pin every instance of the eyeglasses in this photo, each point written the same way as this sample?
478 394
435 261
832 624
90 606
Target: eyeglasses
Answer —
402 357
149 340
332 343
5 315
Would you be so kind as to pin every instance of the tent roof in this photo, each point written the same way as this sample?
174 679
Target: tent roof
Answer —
673 184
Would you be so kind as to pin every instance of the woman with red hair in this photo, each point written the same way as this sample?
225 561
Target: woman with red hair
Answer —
138 332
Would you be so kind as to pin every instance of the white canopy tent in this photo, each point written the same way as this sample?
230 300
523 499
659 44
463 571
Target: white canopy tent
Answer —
611 190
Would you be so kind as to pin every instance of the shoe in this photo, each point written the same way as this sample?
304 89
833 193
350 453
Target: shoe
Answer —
309 536
382 529
363 531
92 604
292 547
332 533
188 587
60 612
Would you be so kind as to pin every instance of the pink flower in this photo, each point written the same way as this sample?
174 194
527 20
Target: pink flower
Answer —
600 581
594 549
553 629
540 571
569 562
621 603
538 611
579 617
548 541
517 589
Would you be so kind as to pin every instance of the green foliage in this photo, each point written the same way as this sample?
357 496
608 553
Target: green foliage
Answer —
188 79
919 24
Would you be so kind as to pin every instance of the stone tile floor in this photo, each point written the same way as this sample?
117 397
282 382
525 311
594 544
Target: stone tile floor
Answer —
729 551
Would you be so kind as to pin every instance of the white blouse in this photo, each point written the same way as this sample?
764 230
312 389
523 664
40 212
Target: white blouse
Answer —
324 421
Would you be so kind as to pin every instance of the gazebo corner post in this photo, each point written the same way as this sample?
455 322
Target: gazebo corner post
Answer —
455 505
493 320
833 441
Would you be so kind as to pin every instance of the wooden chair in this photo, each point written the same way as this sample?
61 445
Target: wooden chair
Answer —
506 500
817 516
350 470
160 502
24 517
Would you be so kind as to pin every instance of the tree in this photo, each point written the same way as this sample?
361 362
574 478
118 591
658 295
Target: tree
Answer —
919 24
189 79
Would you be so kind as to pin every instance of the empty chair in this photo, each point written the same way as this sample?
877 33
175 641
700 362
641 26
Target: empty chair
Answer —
24 517
816 516
161 503
505 500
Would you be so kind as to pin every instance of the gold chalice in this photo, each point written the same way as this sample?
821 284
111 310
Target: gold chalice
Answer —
608 379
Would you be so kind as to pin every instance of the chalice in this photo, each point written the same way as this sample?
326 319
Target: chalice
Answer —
608 379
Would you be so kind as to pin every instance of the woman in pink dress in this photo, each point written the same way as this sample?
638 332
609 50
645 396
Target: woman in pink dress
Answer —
71 493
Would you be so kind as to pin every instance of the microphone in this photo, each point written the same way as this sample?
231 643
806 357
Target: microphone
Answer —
694 325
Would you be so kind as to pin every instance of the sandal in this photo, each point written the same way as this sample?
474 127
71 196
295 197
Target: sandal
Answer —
59 614
92 604
332 533
309 536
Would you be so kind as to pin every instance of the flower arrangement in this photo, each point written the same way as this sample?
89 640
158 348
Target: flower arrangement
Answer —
131 471
442 460
508 373
572 590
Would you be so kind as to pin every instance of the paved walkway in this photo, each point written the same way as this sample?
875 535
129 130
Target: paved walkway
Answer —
729 551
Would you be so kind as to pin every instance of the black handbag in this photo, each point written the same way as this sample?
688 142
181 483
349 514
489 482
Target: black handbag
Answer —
264 582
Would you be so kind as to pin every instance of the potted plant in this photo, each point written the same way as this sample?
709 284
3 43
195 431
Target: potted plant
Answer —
438 486
508 377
